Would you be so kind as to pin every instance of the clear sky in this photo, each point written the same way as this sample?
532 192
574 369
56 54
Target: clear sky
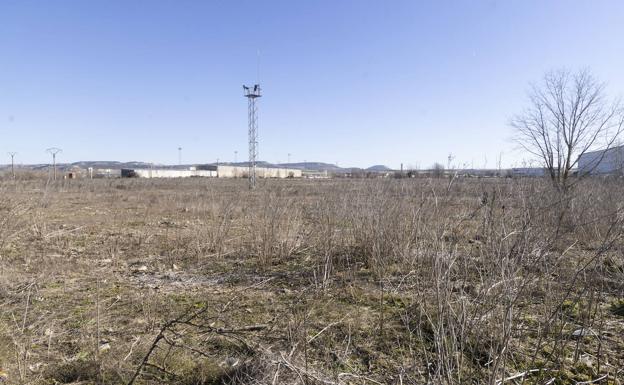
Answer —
357 82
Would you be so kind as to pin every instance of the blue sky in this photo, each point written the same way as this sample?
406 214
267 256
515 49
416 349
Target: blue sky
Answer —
355 82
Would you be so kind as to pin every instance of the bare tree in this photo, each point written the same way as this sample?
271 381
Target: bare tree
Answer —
569 114
437 170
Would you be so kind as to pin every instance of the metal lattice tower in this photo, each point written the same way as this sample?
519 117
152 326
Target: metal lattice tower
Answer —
252 93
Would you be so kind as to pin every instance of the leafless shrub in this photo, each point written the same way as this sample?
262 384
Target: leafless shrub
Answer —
354 281
273 226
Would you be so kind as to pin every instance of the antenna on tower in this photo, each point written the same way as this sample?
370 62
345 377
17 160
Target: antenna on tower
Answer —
258 67
252 93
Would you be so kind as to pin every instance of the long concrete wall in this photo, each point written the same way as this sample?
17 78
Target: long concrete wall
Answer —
221 172
156 173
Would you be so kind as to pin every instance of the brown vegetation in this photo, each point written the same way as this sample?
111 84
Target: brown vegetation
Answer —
403 281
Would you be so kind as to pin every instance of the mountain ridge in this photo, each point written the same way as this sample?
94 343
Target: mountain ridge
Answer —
115 165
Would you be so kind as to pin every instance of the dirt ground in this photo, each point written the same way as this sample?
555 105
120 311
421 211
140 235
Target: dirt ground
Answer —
201 281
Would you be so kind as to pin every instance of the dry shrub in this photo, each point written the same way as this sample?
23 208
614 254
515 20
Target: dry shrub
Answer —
426 280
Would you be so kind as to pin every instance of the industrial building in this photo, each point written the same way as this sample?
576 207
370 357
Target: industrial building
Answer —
528 171
165 173
610 161
261 172
221 171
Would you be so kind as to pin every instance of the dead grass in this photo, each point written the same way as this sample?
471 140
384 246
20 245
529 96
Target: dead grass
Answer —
337 281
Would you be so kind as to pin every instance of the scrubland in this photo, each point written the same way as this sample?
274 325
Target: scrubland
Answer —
388 281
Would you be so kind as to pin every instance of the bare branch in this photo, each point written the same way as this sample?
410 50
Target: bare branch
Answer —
568 116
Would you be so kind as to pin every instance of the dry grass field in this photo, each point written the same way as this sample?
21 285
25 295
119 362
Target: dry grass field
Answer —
201 281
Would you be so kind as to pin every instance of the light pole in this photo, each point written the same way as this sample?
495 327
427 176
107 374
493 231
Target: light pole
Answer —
252 93
289 157
235 156
54 151
179 156
12 155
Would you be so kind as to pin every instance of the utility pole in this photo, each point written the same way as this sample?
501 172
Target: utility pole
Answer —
12 155
54 151
252 93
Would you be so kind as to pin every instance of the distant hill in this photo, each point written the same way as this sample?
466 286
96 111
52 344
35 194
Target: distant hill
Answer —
109 164
379 168
317 166
115 165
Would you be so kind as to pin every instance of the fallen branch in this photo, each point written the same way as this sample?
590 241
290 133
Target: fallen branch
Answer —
518 375
187 318
593 381
363 378
301 372
250 328
325 328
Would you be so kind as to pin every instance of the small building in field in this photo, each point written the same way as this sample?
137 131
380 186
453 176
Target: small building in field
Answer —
605 162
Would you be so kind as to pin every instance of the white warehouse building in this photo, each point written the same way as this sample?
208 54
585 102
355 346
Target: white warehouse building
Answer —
608 161
221 171
165 173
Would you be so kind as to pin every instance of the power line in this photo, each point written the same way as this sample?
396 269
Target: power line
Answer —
54 151
12 155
